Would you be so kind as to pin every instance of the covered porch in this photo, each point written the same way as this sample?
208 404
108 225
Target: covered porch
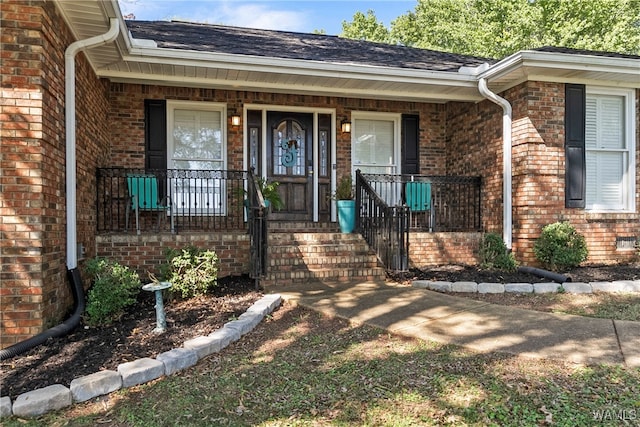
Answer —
406 220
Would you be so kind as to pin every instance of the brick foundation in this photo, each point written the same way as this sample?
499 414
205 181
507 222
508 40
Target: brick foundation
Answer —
430 249
145 253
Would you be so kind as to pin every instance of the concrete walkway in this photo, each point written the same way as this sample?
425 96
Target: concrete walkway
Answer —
480 326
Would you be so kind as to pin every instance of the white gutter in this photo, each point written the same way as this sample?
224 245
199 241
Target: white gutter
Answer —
70 125
507 221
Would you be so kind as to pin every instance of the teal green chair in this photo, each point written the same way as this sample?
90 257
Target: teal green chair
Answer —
418 198
145 197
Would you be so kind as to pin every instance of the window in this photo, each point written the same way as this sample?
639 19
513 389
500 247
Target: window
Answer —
375 144
375 147
609 150
196 145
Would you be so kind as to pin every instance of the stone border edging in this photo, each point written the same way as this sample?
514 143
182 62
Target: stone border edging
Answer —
40 401
536 288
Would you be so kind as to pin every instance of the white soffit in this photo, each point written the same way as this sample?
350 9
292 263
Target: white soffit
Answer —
564 68
138 61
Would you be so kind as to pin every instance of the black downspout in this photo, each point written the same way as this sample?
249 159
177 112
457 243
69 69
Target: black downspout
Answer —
57 331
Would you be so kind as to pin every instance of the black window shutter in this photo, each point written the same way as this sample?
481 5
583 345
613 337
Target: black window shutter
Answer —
155 115
410 145
574 125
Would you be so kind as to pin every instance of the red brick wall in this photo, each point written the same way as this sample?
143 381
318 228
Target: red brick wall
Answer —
35 293
538 181
474 135
428 249
145 253
127 119
474 148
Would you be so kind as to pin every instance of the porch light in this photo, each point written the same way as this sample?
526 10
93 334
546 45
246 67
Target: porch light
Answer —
235 120
346 126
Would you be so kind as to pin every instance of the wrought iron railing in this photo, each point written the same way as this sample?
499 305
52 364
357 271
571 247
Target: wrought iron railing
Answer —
436 203
389 206
170 199
257 214
136 201
384 227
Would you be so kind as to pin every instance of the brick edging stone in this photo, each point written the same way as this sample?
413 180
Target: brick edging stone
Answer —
57 396
536 288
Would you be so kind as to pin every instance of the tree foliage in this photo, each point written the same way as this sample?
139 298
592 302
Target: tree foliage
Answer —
366 27
498 28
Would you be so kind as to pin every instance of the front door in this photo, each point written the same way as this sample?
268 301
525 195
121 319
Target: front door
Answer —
290 162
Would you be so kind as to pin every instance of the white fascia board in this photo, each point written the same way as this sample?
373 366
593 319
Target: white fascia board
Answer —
574 62
293 66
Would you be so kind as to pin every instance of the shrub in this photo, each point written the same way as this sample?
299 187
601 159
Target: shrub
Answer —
114 287
560 247
191 271
494 253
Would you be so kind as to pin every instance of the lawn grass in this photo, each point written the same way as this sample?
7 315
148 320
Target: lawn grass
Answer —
618 306
301 368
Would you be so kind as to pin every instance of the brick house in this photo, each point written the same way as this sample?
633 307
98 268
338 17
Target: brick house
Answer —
194 99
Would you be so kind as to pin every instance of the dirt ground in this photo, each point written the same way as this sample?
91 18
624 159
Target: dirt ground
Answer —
88 350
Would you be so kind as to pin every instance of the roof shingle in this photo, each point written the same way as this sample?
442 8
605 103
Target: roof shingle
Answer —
299 46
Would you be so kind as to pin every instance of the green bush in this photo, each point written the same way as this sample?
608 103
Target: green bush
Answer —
560 247
494 254
191 271
114 287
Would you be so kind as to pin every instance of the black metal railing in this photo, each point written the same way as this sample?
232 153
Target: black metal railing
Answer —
384 227
257 214
134 200
170 199
436 203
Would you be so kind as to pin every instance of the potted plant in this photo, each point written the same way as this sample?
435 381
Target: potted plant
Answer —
269 192
346 204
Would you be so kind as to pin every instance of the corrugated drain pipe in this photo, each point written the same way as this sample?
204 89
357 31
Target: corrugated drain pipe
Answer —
72 242
57 331
545 274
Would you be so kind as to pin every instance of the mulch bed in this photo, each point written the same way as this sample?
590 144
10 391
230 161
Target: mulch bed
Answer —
91 349
457 273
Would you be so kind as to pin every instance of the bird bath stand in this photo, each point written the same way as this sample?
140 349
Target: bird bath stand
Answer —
157 287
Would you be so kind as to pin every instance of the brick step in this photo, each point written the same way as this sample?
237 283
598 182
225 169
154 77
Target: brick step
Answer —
320 262
279 237
326 255
303 227
324 275
307 247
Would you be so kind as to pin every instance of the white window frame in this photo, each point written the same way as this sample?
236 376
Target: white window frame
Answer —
629 120
392 194
172 106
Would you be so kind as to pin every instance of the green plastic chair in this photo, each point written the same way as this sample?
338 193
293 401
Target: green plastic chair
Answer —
418 195
418 198
144 194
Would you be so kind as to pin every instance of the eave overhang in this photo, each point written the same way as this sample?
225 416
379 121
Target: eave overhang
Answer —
530 65
253 73
138 61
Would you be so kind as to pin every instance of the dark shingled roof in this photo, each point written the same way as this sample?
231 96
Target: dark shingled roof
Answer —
552 49
300 46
